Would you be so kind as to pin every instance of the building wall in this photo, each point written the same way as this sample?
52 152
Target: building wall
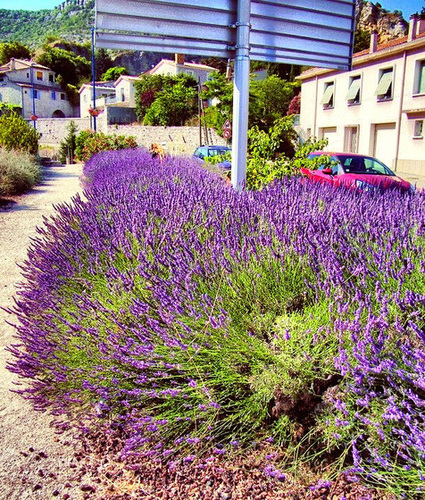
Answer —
103 95
45 105
10 93
382 128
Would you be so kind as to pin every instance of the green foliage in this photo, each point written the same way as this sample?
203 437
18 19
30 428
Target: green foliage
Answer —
69 68
166 100
88 143
8 109
220 90
15 133
113 74
13 49
361 40
103 62
32 27
268 161
18 171
269 100
68 145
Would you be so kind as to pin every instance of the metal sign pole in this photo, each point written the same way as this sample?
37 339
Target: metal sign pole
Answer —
241 95
93 70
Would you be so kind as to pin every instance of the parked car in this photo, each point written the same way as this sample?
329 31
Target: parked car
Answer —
203 152
355 171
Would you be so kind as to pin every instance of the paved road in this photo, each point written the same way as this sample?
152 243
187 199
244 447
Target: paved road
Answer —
34 461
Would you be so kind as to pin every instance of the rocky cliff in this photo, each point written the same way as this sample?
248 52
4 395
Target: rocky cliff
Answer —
371 16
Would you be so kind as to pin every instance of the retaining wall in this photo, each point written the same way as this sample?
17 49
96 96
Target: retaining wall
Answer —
177 140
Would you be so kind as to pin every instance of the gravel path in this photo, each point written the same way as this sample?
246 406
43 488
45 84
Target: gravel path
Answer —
35 463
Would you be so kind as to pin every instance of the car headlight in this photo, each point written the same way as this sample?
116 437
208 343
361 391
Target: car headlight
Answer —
365 186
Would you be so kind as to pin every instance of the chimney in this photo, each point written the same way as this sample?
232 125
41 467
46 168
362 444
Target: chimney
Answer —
228 70
179 58
420 25
12 64
412 28
373 41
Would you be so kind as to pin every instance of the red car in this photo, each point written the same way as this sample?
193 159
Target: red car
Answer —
355 171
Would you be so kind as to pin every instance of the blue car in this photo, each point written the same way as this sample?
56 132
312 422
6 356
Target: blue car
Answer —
203 152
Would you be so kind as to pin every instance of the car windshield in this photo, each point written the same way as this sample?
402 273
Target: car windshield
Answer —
215 152
363 165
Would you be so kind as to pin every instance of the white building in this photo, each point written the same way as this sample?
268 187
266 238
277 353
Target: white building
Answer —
33 88
377 108
178 66
105 93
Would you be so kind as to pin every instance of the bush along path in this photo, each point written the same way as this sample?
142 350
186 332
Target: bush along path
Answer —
193 325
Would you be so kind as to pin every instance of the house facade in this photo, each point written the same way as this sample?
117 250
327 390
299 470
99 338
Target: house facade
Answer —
173 68
105 93
116 100
377 108
33 88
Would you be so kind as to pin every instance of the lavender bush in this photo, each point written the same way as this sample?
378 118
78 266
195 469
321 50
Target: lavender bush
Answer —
204 320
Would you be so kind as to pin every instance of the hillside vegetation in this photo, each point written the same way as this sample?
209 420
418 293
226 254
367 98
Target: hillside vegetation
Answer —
31 28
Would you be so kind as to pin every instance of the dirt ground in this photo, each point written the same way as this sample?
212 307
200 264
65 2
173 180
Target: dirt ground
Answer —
35 463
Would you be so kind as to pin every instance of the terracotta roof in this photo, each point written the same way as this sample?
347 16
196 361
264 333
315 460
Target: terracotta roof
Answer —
22 64
380 50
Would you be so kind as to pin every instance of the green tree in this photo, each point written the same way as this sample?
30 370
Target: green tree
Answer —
113 74
15 133
13 49
71 69
68 145
166 100
361 40
219 90
269 100
103 62
172 106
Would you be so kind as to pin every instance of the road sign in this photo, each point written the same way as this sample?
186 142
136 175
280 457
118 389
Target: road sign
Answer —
318 33
227 125
227 133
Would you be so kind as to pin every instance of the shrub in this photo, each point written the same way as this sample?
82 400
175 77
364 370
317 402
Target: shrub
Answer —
89 143
15 133
18 172
68 145
198 317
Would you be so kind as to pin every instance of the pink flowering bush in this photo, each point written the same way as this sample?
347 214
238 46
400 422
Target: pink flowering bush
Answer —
203 320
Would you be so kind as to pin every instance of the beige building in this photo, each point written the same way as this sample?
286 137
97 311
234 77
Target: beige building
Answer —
178 66
116 100
377 108
32 86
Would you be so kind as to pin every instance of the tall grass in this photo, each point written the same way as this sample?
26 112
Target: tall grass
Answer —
203 319
19 171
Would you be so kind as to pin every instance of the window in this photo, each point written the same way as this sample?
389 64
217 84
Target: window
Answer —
39 75
63 97
420 78
35 94
1 98
353 95
53 94
51 78
328 95
419 129
28 75
384 91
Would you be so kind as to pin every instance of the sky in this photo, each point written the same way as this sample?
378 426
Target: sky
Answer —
407 7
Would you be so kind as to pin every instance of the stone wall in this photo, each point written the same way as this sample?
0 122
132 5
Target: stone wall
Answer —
177 140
